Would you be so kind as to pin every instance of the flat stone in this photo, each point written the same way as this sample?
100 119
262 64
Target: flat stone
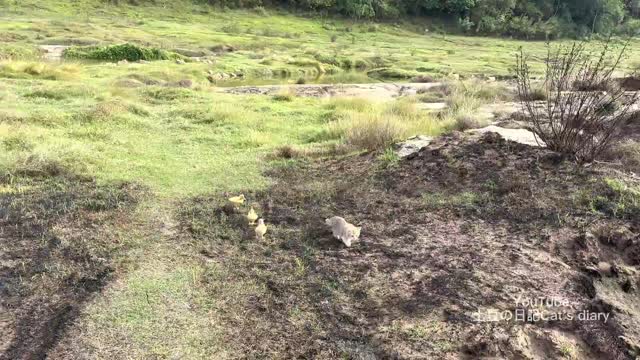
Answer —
604 268
412 145
522 136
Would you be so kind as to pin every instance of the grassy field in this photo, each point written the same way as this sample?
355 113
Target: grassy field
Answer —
267 43
185 145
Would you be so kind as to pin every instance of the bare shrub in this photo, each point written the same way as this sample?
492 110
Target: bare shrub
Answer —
583 124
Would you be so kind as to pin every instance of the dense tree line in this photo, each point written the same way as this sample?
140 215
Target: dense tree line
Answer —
532 19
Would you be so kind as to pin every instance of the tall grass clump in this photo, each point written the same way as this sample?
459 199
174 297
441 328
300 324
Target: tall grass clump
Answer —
377 126
38 70
465 98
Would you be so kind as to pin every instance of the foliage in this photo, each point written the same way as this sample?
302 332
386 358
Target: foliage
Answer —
527 19
120 52
617 198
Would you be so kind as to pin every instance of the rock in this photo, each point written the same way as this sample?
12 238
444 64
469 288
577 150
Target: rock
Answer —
412 145
521 136
122 62
180 62
605 269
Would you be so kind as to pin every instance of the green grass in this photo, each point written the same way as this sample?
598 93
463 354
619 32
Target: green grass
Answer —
616 198
265 46
177 141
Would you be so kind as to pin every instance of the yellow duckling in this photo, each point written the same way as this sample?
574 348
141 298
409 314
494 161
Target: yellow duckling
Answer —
252 216
261 229
236 201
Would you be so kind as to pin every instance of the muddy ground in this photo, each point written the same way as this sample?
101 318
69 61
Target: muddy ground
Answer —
58 235
470 227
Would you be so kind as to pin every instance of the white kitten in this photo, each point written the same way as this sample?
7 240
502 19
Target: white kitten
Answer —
343 231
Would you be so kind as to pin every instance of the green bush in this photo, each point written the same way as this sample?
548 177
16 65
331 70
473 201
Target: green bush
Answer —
120 52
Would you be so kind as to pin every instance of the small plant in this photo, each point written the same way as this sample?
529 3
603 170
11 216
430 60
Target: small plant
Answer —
568 351
389 158
613 197
583 124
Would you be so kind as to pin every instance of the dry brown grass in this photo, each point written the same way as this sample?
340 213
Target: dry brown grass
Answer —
628 154
297 152
375 126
